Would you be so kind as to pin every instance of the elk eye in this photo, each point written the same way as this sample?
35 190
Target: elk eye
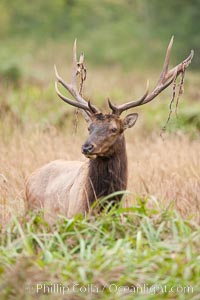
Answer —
114 129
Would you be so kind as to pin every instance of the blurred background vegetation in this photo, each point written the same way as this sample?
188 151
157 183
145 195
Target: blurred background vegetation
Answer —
125 37
112 31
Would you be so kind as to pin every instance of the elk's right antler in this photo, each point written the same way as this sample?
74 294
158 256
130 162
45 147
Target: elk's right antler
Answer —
86 107
166 78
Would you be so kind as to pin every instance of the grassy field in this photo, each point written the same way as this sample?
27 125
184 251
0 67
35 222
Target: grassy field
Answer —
147 254
146 249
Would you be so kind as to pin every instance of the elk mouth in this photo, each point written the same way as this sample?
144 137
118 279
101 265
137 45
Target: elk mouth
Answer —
90 156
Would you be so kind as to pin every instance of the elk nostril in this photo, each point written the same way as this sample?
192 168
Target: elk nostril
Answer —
87 148
90 147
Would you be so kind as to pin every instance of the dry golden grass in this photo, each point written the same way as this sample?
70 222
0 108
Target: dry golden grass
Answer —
166 170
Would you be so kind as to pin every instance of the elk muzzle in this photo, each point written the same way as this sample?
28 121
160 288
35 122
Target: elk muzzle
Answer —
87 150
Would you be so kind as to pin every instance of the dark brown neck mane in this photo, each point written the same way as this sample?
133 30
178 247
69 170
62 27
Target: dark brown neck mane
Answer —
109 174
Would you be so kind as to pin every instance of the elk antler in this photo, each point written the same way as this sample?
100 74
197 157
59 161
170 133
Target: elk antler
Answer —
166 78
86 107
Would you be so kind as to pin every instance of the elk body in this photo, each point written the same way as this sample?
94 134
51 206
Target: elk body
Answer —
70 187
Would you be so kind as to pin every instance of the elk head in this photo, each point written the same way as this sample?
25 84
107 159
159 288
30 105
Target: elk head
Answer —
106 130
105 133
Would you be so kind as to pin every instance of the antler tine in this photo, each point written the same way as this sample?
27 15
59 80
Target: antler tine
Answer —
72 89
71 102
74 65
166 62
119 109
179 67
165 79
92 108
60 80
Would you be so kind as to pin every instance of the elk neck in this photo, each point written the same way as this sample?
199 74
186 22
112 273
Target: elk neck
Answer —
109 174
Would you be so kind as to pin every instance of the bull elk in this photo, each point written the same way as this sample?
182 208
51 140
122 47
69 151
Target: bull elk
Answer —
70 187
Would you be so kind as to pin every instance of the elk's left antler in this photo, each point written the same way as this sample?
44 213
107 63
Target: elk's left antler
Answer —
166 78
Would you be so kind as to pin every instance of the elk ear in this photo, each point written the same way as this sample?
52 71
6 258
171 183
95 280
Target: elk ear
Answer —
129 121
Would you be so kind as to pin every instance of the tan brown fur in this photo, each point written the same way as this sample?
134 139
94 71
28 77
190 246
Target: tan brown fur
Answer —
59 189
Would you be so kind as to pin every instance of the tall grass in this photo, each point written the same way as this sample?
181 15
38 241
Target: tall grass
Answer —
137 252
